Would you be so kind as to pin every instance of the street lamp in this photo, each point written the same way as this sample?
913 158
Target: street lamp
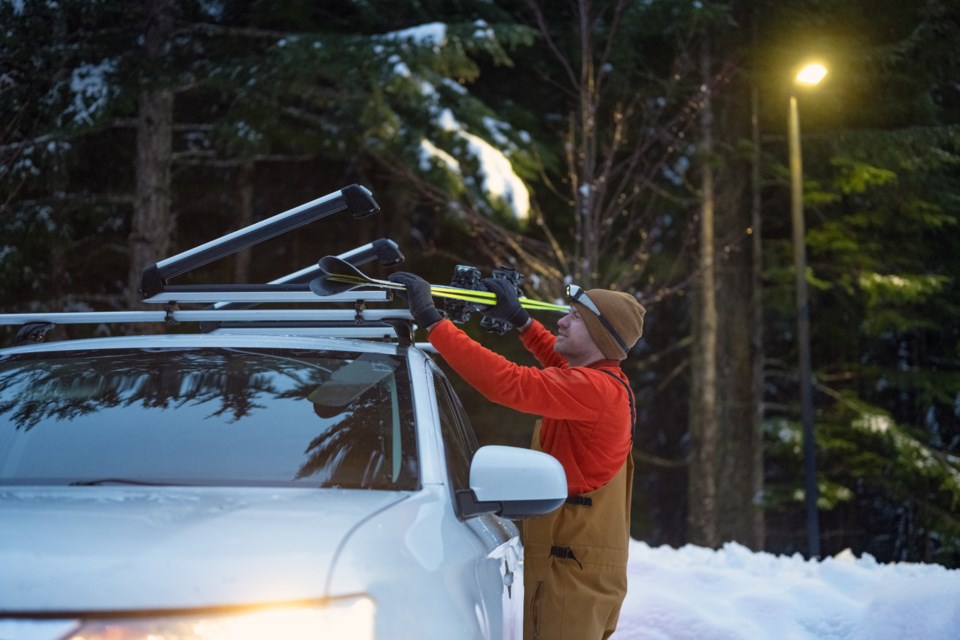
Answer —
811 74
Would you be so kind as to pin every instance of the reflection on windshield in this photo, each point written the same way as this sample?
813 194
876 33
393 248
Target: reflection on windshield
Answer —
208 416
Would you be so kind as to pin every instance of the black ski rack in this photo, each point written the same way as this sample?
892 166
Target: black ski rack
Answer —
154 278
233 305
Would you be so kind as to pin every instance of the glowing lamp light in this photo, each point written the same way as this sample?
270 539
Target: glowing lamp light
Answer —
811 74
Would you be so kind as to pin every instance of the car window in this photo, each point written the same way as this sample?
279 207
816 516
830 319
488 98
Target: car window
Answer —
208 416
459 440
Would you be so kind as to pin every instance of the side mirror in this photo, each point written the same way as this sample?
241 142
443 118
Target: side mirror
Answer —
513 483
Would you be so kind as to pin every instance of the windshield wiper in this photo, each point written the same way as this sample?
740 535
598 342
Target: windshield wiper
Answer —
129 481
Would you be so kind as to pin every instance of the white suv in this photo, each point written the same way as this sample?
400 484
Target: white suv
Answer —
268 482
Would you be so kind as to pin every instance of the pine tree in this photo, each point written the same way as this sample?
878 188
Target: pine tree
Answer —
247 86
58 63
881 211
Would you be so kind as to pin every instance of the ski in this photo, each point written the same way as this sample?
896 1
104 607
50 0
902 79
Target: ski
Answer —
339 276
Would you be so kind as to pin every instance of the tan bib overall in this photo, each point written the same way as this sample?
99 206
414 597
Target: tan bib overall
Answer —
575 562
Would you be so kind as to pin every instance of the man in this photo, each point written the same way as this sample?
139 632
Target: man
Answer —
575 558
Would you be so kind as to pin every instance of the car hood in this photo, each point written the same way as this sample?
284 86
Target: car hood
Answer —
120 548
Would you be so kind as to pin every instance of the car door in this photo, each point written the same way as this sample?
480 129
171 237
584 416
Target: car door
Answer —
500 574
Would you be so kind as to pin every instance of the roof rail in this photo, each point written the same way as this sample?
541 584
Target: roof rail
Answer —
358 322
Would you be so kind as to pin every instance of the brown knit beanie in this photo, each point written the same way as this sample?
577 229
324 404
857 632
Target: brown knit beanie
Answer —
622 311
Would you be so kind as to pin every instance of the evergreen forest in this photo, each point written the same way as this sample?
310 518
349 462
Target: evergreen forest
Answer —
641 145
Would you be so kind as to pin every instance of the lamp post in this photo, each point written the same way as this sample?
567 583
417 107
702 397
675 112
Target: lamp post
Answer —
809 75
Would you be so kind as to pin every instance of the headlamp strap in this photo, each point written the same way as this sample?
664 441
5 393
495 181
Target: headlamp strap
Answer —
592 306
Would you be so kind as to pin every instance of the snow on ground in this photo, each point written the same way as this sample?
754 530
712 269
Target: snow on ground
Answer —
732 593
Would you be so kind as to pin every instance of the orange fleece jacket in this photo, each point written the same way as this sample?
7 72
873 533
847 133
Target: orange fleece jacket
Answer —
586 413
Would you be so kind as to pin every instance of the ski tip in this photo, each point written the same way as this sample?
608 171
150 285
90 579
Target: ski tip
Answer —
317 286
333 265
324 286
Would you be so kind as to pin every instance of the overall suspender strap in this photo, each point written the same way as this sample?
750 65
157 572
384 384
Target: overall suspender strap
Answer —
633 406
586 501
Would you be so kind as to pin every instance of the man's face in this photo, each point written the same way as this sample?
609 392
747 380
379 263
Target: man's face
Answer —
574 341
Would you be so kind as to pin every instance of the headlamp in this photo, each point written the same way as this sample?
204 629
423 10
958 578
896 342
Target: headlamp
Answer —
577 294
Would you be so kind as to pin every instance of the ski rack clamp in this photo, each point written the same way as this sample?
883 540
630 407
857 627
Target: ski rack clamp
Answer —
358 199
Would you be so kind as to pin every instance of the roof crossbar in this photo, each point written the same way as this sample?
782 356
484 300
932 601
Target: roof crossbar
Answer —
248 296
358 199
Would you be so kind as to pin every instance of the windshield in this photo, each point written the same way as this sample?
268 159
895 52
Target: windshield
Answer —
210 416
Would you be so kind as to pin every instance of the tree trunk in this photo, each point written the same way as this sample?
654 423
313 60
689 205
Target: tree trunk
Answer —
585 196
756 334
740 459
702 512
152 225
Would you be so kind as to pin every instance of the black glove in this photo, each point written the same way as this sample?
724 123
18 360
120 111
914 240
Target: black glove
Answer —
418 297
508 306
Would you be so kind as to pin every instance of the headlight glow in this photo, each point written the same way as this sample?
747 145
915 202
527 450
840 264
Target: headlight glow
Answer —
342 619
